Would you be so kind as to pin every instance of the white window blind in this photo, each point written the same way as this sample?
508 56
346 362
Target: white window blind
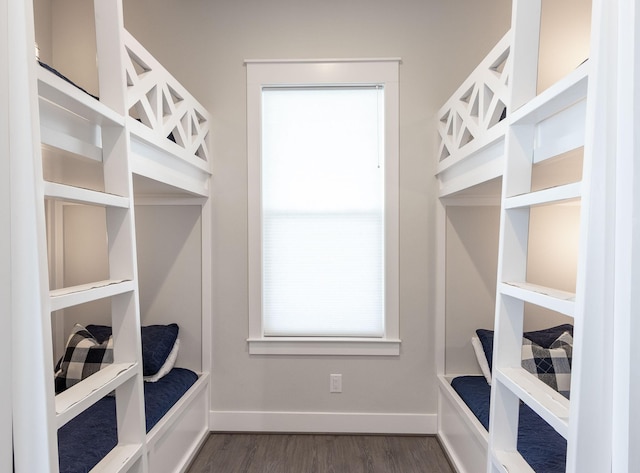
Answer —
323 222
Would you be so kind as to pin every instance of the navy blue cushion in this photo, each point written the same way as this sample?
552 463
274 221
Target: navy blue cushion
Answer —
541 446
157 342
544 338
87 438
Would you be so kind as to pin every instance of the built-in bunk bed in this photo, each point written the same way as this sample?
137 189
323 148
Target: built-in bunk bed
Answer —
126 319
476 150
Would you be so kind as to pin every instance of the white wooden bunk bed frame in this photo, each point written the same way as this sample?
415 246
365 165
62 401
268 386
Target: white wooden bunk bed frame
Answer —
42 109
596 107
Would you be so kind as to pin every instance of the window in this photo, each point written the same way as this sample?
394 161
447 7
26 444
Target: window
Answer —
323 207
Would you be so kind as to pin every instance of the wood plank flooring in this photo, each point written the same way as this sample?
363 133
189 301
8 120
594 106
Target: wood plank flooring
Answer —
276 453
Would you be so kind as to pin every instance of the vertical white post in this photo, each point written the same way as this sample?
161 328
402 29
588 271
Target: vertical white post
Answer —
6 442
441 275
514 228
34 433
589 446
626 355
525 25
110 45
125 309
206 222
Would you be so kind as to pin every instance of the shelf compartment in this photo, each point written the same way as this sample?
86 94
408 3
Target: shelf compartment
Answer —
58 91
83 395
510 462
549 298
120 459
549 404
565 93
76 295
79 195
545 196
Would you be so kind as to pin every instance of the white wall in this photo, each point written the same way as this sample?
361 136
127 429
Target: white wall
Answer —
205 43
564 39
169 273
471 265
42 23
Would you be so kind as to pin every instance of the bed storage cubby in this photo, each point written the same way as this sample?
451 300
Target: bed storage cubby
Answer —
511 213
125 299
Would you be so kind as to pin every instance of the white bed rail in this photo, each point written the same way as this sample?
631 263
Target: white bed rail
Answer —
159 101
467 119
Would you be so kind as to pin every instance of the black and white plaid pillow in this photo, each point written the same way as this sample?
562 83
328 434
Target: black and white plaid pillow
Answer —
551 365
83 357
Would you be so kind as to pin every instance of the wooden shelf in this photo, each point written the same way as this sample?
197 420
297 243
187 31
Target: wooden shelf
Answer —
552 299
75 295
549 404
120 459
83 395
566 92
544 197
65 95
510 462
79 195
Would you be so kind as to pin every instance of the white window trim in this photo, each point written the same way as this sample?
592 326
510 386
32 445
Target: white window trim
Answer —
264 73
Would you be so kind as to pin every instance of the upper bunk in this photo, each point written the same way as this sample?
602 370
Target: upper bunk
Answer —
471 124
167 128
472 127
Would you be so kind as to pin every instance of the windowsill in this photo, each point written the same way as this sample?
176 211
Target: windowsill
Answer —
324 346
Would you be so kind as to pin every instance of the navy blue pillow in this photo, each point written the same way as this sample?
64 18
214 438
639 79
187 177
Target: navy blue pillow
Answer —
544 338
157 343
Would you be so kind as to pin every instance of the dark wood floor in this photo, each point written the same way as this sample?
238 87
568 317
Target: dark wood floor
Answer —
274 453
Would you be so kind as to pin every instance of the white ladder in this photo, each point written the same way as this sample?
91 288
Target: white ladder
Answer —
39 413
570 114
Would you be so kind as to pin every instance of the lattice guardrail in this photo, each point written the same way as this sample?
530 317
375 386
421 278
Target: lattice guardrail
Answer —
479 103
158 100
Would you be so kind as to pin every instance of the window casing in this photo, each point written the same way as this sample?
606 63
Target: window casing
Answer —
273 213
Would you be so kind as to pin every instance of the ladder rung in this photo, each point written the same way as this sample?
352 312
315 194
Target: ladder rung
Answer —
563 94
550 298
545 196
510 462
65 95
54 190
549 404
81 396
75 295
120 459
69 143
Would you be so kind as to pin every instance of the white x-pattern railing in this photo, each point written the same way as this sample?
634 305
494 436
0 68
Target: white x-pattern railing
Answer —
478 105
156 98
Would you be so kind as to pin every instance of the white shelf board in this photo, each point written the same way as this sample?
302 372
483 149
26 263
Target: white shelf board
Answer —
83 395
75 295
62 93
79 195
564 93
553 299
510 462
69 143
120 459
549 404
545 196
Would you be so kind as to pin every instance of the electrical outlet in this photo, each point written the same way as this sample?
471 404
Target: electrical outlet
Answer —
335 383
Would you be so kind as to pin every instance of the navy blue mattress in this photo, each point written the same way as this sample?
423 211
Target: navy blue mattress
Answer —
539 444
86 439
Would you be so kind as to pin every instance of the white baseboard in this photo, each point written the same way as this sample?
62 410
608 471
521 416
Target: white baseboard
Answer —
323 422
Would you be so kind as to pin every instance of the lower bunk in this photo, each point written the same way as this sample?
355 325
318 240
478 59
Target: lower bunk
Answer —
464 404
464 429
175 409
175 400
